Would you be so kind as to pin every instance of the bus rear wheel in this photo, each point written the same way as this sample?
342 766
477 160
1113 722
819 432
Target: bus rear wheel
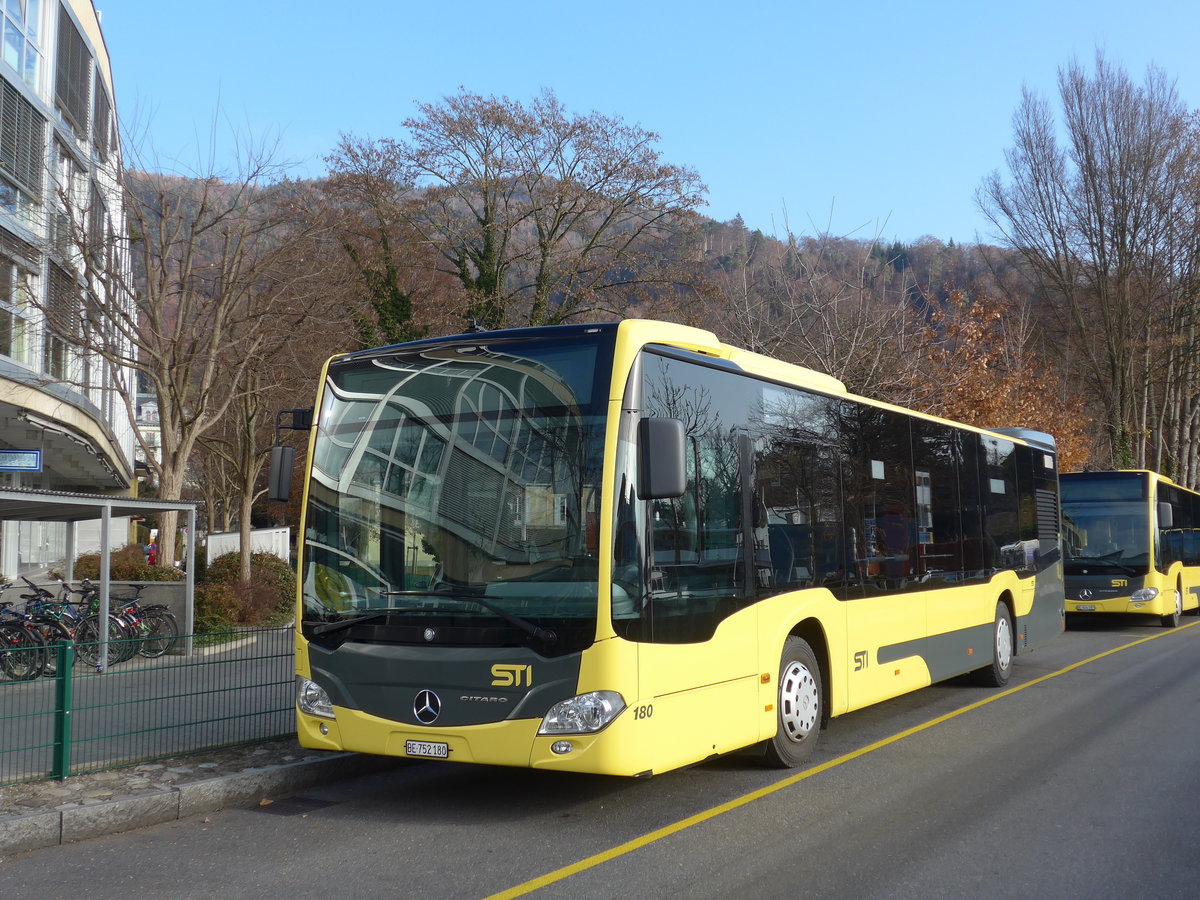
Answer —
998 673
799 707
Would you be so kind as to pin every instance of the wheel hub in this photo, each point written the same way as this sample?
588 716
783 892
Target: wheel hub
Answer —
798 701
1003 643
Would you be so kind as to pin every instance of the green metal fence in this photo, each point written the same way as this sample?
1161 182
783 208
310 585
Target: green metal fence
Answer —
230 689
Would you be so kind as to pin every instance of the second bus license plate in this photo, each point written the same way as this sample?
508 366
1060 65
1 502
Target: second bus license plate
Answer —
427 748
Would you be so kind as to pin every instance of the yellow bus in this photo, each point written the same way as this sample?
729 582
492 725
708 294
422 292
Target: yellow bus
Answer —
1131 544
627 548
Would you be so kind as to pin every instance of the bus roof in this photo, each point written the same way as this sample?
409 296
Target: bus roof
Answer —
649 332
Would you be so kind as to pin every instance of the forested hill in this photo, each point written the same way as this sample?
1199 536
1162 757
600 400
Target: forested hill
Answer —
1083 325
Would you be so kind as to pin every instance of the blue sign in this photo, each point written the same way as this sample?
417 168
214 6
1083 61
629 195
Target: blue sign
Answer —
20 460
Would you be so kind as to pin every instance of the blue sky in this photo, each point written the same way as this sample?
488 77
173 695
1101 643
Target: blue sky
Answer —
864 119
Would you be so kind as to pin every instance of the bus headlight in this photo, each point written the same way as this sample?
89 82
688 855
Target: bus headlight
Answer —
312 699
583 714
1144 595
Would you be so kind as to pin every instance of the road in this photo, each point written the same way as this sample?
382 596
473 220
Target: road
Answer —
1078 780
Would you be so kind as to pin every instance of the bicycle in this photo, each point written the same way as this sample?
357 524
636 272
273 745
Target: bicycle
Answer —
22 647
57 620
152 629
159 626
123 635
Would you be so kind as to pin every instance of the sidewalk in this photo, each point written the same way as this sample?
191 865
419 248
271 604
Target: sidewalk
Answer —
48 813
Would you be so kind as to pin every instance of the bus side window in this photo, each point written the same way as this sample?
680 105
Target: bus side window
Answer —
721 494
880 499
941 545
1001 516
675 522
696 577
796 482
797 485
697 537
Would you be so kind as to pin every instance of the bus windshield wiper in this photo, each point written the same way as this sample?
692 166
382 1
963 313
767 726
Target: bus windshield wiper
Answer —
330 627
542 634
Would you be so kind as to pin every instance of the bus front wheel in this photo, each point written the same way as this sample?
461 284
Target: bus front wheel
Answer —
798 710
997 674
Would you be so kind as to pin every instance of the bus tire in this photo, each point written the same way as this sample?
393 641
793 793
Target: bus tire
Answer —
998 672
1171 619
799 706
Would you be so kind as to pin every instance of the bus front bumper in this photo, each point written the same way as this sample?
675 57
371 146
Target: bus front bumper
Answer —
1155 607
508 743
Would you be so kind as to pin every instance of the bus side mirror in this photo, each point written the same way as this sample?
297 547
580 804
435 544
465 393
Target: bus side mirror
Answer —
663 454
283 459
279 486
1166 515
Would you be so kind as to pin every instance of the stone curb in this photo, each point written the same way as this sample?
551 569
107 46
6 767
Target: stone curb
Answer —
76 823
223 648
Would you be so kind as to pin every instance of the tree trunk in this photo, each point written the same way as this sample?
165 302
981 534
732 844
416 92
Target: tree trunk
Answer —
171 488
247 501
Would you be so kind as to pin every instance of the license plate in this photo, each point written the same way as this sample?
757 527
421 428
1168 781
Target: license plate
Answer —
427 748
1085 607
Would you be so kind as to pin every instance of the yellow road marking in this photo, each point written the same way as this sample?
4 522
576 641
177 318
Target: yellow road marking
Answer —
683 824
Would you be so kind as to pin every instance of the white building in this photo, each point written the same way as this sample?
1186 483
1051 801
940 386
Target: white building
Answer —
62 428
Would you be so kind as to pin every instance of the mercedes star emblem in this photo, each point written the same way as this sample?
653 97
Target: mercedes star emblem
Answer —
427 707
1085 594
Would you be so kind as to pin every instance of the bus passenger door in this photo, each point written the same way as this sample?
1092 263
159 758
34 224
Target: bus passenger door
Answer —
699 651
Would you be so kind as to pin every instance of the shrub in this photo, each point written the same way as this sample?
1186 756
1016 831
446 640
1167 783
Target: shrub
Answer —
270 593
257 604
127 563
216 608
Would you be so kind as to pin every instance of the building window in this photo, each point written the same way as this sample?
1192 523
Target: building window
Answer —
22 153
12 334
62 319
22 31
71 190
66 170
14 305
97 228
101 119
54 357
72 74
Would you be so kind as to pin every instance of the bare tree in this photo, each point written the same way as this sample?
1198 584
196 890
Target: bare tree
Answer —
216 485
543 216
385 266
240 450
1108 223
832 304
206 261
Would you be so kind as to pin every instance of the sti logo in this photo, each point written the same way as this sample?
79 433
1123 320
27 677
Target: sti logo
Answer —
1120 582
511 676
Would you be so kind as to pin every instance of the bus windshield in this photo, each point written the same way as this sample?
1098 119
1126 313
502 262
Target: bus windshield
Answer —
455 470
1106 524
